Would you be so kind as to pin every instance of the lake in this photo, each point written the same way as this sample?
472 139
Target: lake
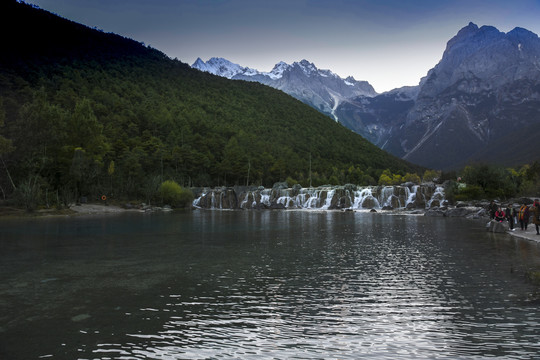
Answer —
265 284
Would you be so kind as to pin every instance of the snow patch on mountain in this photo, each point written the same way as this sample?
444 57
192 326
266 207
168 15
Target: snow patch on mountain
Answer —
223 67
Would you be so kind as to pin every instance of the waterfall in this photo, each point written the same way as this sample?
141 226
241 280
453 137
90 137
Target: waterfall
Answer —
284 200
438 195
412 195
301 199
196 203
365 197
386 195
329 197
313 200
246 199
324 198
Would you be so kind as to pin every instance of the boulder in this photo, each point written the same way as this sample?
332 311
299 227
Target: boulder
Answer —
276 206
482 213
496 227
394 202
280 185
369 202
434 212
460 212
344 202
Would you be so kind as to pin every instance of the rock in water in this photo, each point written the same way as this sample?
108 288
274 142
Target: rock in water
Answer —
496 227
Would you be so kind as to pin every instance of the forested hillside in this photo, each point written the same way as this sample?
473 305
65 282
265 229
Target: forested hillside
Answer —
86 112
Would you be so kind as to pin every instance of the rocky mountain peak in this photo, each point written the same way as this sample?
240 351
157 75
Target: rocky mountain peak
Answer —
307 67
522 35
322 89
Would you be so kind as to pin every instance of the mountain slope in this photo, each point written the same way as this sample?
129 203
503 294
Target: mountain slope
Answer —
91 113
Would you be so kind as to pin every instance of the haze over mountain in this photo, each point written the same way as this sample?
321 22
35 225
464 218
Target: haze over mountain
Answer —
484 92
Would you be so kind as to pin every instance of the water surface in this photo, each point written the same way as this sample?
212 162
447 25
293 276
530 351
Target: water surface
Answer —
264 284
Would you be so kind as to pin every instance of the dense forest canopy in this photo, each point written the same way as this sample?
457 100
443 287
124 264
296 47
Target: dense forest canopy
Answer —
83 112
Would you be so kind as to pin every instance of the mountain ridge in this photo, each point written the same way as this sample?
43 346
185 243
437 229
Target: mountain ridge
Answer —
319 88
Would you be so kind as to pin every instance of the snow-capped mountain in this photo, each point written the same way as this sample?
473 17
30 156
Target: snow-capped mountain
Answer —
321 89
222 67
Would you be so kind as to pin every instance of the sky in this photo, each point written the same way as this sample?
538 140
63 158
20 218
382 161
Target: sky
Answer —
389 43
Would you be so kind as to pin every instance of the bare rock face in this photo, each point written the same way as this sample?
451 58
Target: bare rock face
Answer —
481 94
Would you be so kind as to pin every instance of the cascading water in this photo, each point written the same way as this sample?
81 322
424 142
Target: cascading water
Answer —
411 195
386 195
329 197
326 198
364 197
438 195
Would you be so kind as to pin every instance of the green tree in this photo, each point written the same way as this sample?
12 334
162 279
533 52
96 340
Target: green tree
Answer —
431 175
235 162
5 148
414 178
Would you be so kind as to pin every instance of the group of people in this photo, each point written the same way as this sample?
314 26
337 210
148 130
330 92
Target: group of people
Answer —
522 215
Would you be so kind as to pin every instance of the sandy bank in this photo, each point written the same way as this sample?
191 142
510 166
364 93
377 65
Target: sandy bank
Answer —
100 209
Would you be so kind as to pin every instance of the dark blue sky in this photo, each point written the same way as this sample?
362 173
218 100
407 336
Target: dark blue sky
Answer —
390 43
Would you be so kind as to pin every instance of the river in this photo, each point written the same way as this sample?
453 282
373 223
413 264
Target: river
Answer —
264 284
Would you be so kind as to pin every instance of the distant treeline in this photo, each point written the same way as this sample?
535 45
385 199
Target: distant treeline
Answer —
484 181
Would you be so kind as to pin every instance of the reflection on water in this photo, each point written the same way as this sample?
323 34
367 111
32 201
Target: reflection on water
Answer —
264 284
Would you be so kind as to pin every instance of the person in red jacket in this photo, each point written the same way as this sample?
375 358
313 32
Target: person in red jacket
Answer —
500 216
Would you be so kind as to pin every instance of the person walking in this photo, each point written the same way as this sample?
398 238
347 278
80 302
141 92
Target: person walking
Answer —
523 216
536 215
510 216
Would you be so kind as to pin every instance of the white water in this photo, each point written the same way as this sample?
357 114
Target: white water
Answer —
328 198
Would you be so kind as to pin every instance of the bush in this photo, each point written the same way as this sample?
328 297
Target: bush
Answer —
174 195
291 182
469 192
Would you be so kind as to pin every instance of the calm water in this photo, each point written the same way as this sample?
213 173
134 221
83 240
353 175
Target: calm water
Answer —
264 284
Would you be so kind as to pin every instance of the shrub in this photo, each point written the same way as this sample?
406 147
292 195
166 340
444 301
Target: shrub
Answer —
174 195
291 182
469 192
